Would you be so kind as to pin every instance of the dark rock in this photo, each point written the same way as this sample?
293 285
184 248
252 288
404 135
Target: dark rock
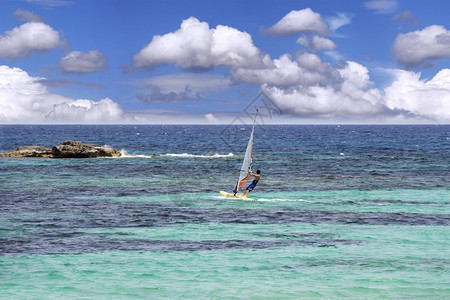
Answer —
68 149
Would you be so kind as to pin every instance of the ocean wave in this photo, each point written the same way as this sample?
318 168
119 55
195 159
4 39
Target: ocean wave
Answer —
124 153
266 199
282 200
216 155
138 156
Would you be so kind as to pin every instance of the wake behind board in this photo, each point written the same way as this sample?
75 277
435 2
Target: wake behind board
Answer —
237 197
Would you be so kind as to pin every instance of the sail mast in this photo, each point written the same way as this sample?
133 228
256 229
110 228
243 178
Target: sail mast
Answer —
246 168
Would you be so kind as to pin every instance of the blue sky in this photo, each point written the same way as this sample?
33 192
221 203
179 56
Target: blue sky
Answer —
377 61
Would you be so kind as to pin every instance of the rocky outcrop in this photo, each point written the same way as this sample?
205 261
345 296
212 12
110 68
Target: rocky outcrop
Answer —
68 149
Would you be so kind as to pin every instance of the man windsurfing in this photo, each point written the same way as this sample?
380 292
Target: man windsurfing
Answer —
252 185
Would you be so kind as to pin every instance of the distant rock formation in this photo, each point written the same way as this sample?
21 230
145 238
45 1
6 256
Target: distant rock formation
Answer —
68 149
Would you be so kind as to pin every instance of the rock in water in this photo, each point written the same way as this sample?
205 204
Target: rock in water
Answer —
68 149
74 149
29 151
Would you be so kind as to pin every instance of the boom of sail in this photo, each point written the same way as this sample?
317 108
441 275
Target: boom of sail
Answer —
246 168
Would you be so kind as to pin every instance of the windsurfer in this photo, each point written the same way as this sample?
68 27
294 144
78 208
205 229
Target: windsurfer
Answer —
252 185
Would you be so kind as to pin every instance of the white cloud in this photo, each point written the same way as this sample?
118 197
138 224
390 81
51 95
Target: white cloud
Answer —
197 47
430 99
316 43
422 47
303 40
80 63
324 102
353 97
307 69
340 20
85 111
28 16
320 43
211 118
302 86
382 6
355 77
298 21
312 62
24 99
27 39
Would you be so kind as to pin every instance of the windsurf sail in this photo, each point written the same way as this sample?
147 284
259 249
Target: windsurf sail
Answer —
246 168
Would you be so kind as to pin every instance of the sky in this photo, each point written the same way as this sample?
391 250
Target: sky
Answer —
210 62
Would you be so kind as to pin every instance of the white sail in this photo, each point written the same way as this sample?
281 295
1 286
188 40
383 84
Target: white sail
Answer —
246 168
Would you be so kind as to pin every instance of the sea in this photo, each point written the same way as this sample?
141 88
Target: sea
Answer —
340 212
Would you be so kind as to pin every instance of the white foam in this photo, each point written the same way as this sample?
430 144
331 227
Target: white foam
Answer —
268 200
124 153
282 200
185 155
136 155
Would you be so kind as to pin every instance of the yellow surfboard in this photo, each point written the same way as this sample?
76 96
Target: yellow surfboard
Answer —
237 197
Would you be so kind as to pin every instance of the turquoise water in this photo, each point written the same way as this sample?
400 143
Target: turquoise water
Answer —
292 260
350 212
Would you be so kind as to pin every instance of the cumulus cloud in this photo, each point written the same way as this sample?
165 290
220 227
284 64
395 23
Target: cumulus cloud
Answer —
430 99
28 16
24 99
299 21
309 87
27 39
313 62
316 43
351 97
382 6
85 111
301 85
307 69
422 47
320 43
78 62
211 118
197 47
303 40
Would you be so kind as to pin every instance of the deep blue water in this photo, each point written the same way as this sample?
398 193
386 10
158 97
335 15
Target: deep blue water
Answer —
320 157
